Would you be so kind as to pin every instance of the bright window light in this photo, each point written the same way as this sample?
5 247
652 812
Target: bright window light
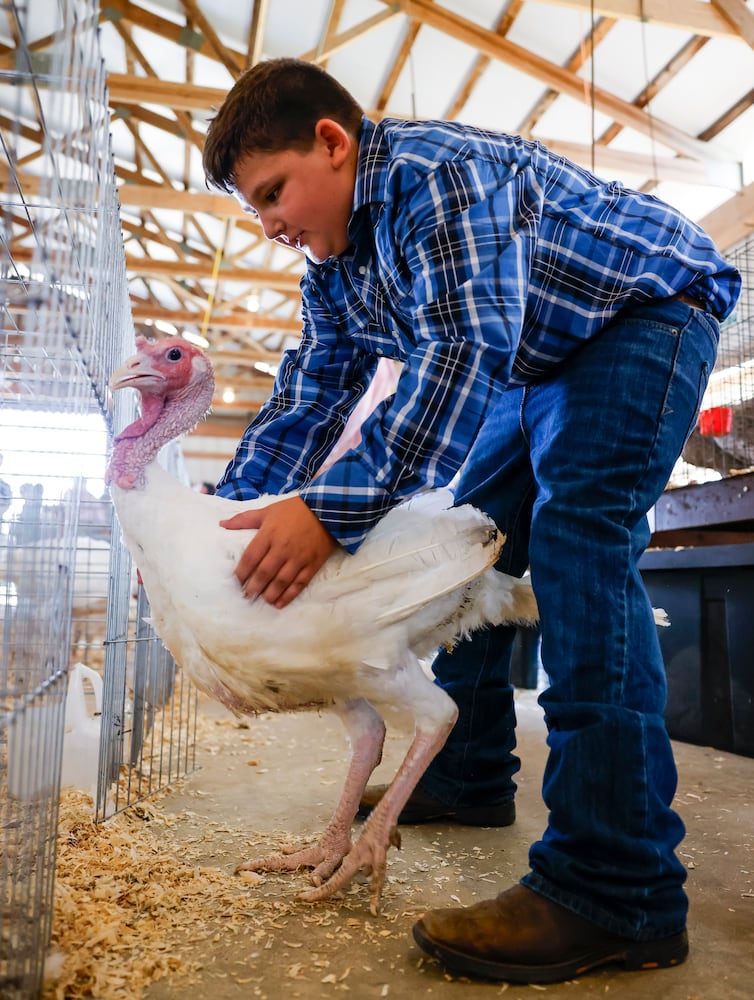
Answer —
263 366
54 450
195 338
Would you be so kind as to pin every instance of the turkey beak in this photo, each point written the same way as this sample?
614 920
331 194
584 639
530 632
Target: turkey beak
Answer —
136 372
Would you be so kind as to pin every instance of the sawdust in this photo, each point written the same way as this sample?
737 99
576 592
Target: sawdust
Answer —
138 896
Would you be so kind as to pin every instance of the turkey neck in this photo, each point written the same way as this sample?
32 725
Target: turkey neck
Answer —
138 444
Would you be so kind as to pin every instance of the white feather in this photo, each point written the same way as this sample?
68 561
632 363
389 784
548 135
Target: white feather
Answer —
413 585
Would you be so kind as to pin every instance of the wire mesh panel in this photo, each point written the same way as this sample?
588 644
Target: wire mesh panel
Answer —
722 443
149 713
149 708
53 392
67 595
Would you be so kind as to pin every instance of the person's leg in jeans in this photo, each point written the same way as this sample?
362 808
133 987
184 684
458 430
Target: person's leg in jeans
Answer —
471 779
605 435
477 763
605 883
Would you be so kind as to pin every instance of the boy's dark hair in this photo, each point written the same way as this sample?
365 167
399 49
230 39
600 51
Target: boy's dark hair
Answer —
272 107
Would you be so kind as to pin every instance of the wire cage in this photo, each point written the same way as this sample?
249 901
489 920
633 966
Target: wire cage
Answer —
72 629
149 709
722 443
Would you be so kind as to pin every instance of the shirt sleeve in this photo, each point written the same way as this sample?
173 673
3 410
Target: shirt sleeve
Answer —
315 389
463 238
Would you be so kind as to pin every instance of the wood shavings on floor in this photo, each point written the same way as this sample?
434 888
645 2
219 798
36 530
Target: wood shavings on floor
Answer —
120 897
140 896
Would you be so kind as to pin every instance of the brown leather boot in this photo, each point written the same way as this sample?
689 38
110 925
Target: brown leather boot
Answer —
522 937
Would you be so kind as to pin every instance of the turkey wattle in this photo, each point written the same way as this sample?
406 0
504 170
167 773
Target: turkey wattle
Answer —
351 642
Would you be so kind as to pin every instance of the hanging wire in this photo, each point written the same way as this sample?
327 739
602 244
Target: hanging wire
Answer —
648 108
592 107
412 76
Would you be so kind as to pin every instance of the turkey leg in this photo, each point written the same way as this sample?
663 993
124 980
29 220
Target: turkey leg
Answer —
435 719
366 733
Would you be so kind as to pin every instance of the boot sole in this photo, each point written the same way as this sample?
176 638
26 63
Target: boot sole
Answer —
633 956
415 815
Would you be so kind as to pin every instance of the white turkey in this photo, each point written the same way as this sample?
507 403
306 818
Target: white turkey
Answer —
351 642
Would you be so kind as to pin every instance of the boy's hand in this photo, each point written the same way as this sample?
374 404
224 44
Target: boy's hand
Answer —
291 544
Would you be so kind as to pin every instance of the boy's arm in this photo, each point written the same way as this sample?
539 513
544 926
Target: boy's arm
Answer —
317 386
466 275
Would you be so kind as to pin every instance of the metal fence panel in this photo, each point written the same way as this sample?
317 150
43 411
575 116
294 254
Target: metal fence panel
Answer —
67 593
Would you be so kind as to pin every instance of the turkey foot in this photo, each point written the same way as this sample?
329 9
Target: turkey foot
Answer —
369 855
324 856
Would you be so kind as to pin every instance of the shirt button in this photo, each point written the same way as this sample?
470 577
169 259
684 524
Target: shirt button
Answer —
362 270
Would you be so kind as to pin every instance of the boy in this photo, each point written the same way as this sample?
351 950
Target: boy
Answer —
556 334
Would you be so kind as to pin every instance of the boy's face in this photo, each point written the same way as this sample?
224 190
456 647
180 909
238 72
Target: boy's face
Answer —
303 200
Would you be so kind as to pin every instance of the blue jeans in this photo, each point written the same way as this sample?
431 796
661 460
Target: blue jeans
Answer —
569 468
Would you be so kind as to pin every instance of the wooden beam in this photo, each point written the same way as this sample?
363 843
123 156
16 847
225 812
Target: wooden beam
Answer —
679 169
716 171
336 42
697 17
232 61
161 196
399 60
552 75
181 126
728 116
221 427
260 277
733 221
148 196
257 24
128 88
113 10
147 268
481 62
247 358
228 321
240 408
739 17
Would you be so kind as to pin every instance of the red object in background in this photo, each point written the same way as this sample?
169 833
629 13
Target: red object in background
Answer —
716 422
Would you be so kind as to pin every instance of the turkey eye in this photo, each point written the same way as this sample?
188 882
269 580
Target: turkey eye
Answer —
174 354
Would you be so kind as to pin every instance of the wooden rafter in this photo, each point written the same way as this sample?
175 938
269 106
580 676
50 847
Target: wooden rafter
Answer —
697 17
559 79
173 228
257 24
232 61
739 16
601 29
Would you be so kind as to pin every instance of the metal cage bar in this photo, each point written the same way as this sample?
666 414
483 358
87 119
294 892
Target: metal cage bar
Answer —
66 581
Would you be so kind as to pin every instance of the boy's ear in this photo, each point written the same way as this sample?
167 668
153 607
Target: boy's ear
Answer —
338 141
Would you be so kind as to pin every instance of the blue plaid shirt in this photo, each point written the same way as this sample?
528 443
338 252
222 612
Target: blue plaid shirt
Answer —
479 260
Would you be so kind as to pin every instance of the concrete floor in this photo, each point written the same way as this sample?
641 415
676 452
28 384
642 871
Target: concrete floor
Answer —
283 774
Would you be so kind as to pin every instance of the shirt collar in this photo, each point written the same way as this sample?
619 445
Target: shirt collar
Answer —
371 167
369 187
371 173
